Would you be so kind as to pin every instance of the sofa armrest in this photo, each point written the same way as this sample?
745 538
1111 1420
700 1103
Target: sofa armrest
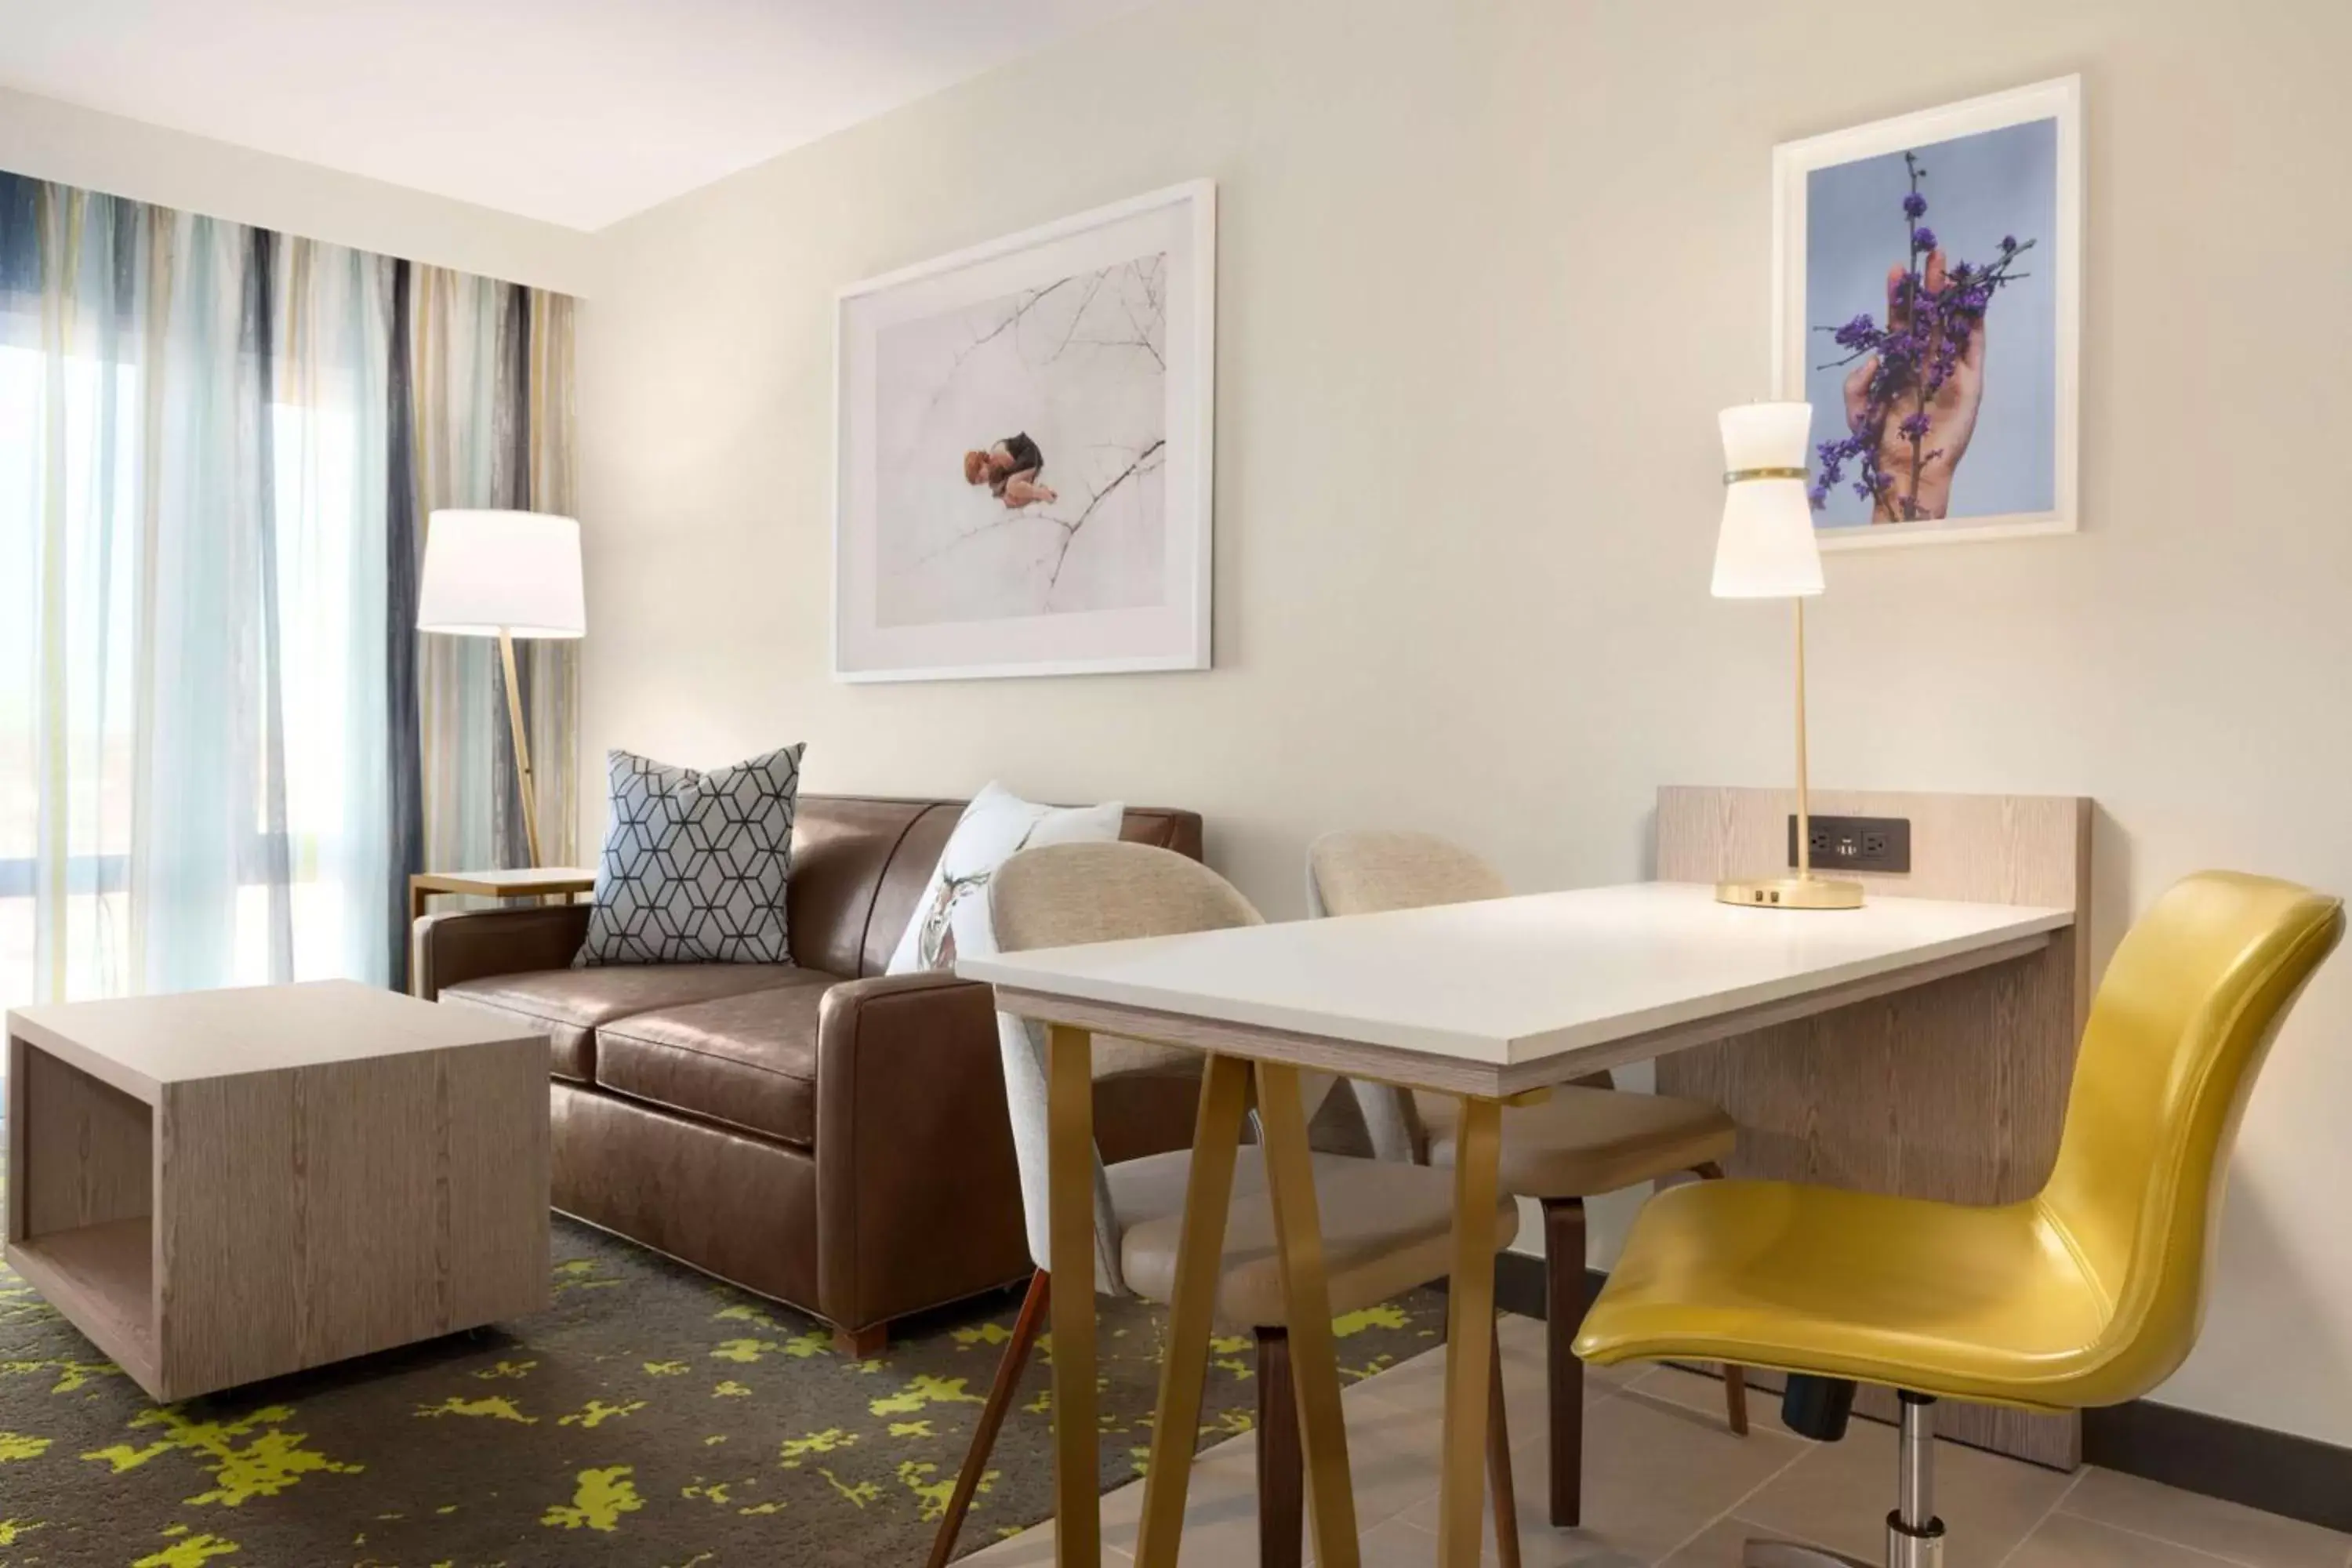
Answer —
918 1197
468 944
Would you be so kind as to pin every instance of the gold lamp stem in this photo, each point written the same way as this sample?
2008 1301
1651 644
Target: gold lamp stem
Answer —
530 796
1804 813
1804 890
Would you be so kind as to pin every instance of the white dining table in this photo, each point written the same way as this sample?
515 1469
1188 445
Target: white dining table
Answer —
1491 1001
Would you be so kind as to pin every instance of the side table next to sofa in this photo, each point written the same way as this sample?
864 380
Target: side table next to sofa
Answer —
818 1133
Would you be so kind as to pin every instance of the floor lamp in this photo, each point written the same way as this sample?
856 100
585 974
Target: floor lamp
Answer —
505 575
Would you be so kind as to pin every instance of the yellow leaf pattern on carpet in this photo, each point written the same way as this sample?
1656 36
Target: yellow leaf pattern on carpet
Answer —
271 1462
495 1409
794 1449
595 1413
508 1369
1385 1316
924 1390
835 1449
743 1350
861 1493
598 1503
932 1493
72 1375
188 1552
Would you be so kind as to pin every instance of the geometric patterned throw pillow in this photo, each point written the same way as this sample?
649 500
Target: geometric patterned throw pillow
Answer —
695 865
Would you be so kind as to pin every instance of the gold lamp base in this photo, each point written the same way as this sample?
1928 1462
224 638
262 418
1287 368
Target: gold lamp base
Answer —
1790 893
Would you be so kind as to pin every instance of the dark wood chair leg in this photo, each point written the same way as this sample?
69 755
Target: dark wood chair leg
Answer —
1735 1379
1564 1306
1281 1458
1498 1462
1009 1367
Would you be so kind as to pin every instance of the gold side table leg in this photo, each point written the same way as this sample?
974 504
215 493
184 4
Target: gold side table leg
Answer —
1200 1260
1070 1247
1307 1299
1469 1332
417 897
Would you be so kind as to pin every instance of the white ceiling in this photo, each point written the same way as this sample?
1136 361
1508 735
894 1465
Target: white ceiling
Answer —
577 111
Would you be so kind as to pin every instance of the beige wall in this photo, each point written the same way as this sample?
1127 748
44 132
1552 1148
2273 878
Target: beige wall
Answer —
1487 272
52 140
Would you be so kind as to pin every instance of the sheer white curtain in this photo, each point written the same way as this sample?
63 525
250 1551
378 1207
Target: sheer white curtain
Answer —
193 734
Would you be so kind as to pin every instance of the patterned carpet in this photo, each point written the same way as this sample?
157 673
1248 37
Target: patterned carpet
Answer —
651 1417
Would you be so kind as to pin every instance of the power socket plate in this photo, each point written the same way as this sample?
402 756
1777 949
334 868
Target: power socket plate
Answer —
1856 843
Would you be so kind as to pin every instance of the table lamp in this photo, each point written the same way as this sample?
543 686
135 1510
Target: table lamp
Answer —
505 575
1766 550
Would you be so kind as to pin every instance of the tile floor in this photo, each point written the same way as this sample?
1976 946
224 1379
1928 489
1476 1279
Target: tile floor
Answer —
1666 1484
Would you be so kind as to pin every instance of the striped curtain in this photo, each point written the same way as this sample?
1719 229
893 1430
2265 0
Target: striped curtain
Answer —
223 744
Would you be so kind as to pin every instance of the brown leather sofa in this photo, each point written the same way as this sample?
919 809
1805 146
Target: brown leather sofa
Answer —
817 1131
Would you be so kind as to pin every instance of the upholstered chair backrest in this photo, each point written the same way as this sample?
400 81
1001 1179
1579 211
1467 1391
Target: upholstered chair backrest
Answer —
1065 895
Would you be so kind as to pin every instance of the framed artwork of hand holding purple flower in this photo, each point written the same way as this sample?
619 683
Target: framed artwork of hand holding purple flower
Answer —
1927 288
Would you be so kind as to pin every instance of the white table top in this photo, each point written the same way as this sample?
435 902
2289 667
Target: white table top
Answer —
1512 981
140 1044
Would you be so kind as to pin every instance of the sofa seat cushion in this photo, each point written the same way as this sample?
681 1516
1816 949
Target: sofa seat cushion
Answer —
572 1004
747 1061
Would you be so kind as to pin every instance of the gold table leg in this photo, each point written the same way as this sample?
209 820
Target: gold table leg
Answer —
1200 1260
1307 1299
1469 1332
1070 1260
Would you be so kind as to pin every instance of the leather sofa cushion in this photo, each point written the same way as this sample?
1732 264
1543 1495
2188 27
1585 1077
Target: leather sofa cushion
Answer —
843 848
573 1004
747 1061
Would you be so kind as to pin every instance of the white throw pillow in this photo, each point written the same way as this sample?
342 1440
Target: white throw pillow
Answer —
952 916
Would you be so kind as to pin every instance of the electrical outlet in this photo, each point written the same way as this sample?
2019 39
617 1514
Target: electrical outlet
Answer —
1856 843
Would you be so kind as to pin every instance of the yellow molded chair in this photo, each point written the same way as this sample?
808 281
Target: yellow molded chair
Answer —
2089 1293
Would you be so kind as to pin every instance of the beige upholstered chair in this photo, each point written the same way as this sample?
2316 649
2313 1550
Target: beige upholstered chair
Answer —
1587 1139
1386 1226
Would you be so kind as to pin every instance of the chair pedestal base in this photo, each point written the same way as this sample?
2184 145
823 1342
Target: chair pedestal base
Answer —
1789 1554
1904 1549
1914 1536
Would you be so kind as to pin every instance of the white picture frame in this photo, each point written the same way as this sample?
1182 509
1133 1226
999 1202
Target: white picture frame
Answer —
2014 494
941 569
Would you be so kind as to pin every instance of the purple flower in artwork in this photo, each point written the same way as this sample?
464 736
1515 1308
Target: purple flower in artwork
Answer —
1861 332
1901 391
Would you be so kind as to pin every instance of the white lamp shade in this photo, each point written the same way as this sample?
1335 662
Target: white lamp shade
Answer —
487 572
1766 548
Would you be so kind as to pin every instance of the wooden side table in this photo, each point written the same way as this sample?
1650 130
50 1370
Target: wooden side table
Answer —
223 1186
534 882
